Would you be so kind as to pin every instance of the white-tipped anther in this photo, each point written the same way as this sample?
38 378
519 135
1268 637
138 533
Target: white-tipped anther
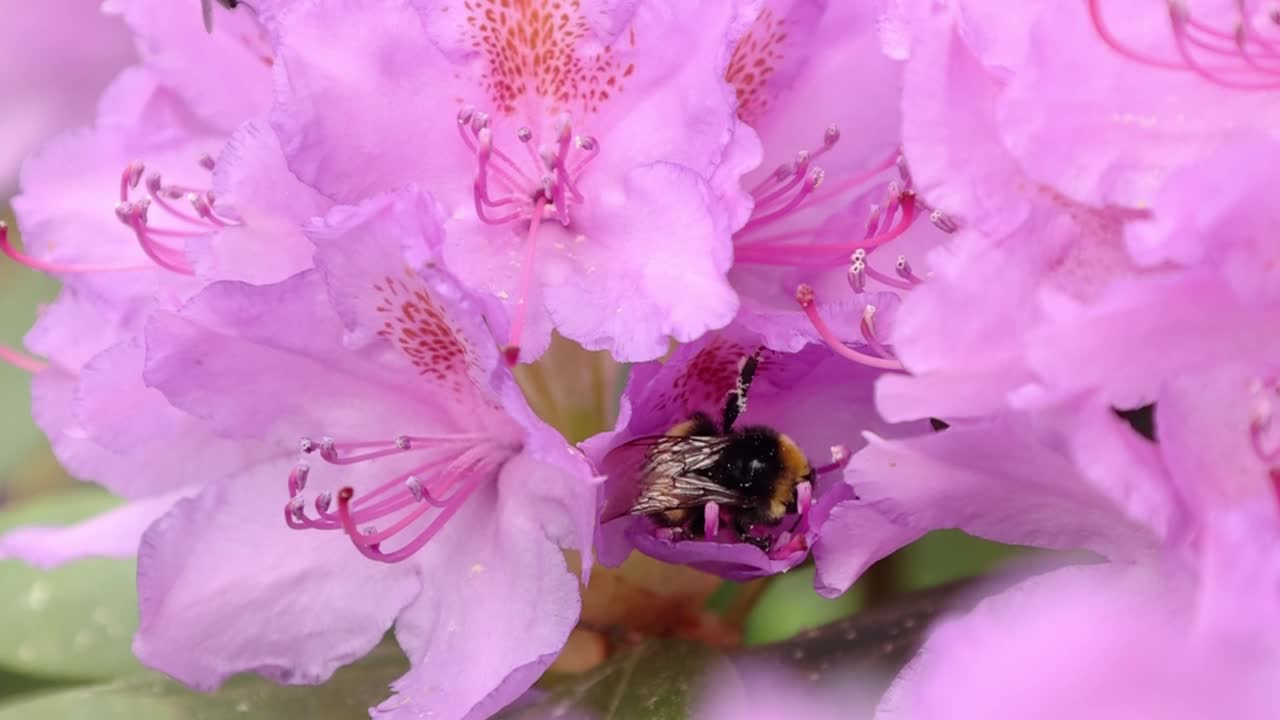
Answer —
414 486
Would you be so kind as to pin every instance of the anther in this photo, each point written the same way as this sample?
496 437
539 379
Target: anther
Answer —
328 449
943 222
414 486
465 114
804 496
831 136
298 478
297 507
524 134
816 176
904 268
133 173
403 442
857 276
323 501
154 183
711 520
840 454
307 445
805 296
585 142
207 162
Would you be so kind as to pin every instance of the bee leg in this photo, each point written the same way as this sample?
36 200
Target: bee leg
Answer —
735 403
743 525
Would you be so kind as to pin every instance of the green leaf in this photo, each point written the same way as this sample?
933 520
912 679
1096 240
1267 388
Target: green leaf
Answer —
656 680
76 621
660 680
789 605
348 694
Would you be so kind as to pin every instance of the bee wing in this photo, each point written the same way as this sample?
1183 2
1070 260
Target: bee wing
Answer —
665 469
671 492
206 12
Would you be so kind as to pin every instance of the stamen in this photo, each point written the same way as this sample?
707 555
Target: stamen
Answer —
511 353
942 221
840 457
591 147
22 361
796 173
807 299
804 497
369 544
158 194
812 181
134 215
711 520
130 177
867 327
1190 35
825 254
887 280
857 275
54 267
552 183
414 486
904 271
298 478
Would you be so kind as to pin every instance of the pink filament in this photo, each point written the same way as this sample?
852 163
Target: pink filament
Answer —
825 253
162 255
807 300
511 352
22 361
58 268
1182 24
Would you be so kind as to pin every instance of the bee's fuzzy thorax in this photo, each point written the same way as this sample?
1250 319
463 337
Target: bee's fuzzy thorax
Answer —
795 469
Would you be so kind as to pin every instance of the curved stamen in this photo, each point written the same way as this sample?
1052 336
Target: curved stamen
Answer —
826 253
166 257
1218 42
807 299
868 329
840 457
812 181
374 552
158 193
903 268
797 169
22 361
57 268
511 353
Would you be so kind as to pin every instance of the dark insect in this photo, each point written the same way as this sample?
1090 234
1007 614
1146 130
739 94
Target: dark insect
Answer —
206 9
753 474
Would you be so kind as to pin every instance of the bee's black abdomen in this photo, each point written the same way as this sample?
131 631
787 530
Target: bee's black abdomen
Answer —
750 464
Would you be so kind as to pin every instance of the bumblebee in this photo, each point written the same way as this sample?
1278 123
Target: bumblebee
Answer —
752 473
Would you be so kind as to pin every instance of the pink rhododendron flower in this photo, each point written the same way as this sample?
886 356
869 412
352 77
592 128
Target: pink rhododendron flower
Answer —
573 151
815 398
993 108
1063 480
58 56
151 156
1095 642
834 207
427 494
